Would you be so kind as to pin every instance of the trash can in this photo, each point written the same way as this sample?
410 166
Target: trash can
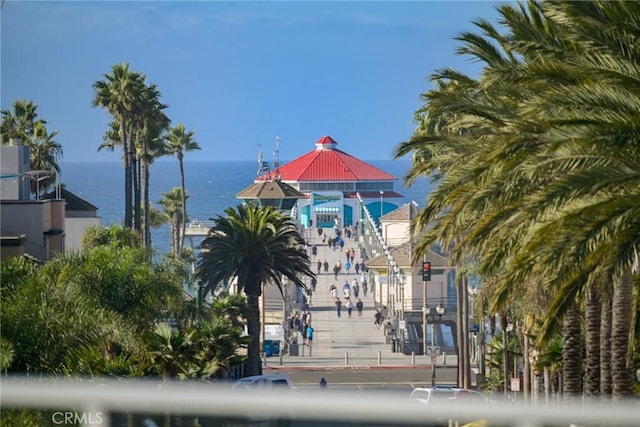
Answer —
394 345
268 348
275 348
293 349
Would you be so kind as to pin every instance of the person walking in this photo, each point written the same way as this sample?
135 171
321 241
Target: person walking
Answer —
314 283
338 306
349 308
347 267
326 266
357 268
309 333
355 288
359 306
333 291
319 265
323 383
378 319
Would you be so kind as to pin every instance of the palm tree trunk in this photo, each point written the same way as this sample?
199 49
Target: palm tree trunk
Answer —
147 206
184 207
254 364
137 199
459 331
505 353
572 353
592 332
127 175
465 334
622 305
526 367
605 346
175 232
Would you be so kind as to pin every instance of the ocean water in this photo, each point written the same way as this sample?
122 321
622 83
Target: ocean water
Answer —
212 187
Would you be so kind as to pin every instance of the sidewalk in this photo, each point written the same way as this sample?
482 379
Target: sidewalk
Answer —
343 341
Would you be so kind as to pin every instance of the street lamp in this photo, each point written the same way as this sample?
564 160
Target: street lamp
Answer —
381 206
440 311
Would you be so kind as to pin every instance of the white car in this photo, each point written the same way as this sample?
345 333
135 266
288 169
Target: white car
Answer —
264 382
431 395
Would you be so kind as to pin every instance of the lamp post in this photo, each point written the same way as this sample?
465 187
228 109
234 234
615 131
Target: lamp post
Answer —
440 312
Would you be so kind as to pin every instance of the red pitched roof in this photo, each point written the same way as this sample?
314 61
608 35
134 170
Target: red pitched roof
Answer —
327 163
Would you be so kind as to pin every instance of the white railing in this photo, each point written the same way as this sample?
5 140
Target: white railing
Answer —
88 401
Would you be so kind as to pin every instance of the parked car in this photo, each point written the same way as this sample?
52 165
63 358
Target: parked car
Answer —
439 394
264 382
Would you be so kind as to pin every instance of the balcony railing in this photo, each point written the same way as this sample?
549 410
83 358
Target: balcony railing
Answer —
111 402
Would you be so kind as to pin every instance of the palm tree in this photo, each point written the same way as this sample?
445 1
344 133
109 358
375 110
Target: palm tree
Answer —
178 141
172 207
117 93
22 126
536 167
18 126
44 153
256 246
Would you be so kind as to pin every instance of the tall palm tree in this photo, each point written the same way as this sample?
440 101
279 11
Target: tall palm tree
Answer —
179 141
256 246
44 153
536 169
117 94
150 146
172 207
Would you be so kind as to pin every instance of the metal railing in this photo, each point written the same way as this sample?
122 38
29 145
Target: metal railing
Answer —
97 401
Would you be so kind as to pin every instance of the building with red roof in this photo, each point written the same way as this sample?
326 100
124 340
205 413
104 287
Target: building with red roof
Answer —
331 180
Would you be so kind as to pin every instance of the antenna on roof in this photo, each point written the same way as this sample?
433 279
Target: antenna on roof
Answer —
263 167
276 154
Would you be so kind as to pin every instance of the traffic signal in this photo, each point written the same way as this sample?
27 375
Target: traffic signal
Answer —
426 271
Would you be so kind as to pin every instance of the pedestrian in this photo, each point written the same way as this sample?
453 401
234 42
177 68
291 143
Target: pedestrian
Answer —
357 267
346 289
347 267
338 306
359 306
319 265
309 318
378 319
319 231
309 335
355 288
349 307
347 254
333 291
314 283
323 383
336 271
325 264
314 251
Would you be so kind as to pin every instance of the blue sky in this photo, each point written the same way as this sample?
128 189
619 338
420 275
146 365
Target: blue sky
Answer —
238 73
